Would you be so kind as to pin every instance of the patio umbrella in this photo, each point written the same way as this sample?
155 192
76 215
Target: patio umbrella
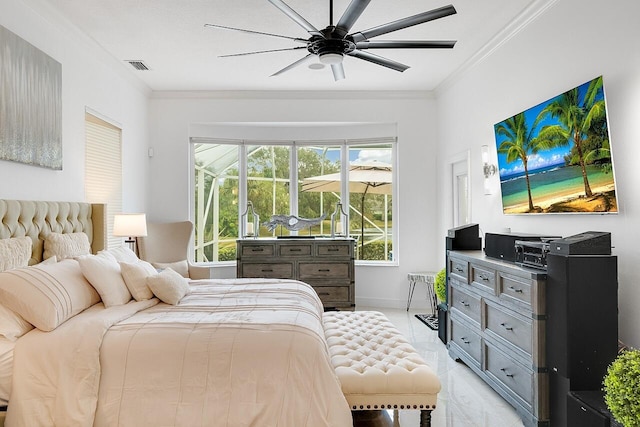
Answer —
365 178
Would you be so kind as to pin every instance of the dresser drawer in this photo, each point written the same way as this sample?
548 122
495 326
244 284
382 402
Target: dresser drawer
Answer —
295 250
511 374
283 270
459 270
515 289
483 279
323 270
466 339
334 250
330 294
467 304
257 250
514 329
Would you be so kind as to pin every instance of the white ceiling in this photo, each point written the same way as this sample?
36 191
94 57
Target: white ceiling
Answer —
182 54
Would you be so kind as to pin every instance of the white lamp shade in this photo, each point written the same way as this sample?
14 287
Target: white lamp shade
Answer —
130 225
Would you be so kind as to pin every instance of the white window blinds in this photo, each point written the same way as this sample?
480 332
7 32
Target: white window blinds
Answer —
103 169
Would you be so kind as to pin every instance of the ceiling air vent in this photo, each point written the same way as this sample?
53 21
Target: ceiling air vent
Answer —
138 64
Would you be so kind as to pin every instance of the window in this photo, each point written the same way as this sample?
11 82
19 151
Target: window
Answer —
103 169
306 179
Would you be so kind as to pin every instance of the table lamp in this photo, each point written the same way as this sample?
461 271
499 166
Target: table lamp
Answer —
131 226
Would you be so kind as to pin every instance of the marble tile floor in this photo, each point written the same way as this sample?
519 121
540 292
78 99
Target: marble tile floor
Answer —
464 401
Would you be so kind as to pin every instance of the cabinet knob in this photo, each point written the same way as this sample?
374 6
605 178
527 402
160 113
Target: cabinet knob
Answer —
466 304
506 373
508 328
515 290
465 340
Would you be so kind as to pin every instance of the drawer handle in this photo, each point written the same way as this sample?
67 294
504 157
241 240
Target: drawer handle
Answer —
515 290
483 278
508 328
324 270
466 304
506 373
295 250
333 249
257 249
465 340
267 270
324 293
459 270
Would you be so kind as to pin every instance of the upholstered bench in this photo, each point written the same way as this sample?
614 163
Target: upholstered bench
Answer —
377 367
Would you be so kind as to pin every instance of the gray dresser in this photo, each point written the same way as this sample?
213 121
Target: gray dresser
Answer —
324 263
497 327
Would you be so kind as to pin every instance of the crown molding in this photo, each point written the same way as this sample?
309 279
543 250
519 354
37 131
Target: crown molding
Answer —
522 21
301 94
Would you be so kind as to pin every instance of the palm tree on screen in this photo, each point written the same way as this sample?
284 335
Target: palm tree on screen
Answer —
576 118
520 143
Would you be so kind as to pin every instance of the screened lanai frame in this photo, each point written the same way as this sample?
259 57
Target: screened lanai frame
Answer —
226 159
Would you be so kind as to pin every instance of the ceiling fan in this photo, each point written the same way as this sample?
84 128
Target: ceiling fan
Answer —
331 44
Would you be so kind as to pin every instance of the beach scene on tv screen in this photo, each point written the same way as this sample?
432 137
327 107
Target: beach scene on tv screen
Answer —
556 157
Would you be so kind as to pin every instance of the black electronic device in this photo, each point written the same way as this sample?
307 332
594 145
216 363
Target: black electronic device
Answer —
502 245
464 237
587 243
532 254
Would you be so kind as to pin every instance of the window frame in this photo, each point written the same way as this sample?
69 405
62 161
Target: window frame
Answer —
345 145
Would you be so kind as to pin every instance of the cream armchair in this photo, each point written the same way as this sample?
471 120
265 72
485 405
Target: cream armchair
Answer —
167 245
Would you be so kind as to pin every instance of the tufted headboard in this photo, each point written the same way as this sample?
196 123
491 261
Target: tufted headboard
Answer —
37 219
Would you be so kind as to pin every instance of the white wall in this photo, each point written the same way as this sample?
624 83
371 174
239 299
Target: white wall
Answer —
571 43
90 79
172 114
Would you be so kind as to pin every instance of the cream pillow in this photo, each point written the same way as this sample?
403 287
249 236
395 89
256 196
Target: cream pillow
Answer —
135 277
181 267
47 295
103 272
123 254
169 286
12 325
69 245
15 252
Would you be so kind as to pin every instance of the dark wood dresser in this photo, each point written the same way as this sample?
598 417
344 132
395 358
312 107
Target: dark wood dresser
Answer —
324 263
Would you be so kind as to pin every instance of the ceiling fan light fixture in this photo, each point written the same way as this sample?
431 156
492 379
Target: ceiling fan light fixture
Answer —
331 58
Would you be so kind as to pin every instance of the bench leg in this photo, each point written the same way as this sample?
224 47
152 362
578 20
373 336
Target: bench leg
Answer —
425 418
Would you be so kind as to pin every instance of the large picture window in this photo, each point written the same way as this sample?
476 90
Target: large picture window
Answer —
294 178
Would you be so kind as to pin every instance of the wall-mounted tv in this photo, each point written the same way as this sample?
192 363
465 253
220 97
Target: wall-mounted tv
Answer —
555 157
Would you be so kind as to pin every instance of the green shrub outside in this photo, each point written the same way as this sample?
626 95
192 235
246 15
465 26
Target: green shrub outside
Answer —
374 251
622 388
227 253
440 285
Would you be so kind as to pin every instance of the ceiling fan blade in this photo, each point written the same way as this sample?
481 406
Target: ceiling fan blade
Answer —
351 15
404 23
261 51
296 17
257 32
405 44
379 60
293 65
338 71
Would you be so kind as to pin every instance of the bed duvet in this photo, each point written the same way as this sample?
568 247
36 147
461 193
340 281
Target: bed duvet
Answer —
231 353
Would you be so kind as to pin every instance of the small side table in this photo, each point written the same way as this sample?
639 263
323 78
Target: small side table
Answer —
427 277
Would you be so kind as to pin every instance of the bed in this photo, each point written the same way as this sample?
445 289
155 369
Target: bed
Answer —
241 352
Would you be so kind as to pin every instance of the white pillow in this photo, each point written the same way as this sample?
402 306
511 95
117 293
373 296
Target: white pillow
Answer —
69 245
103 272
15 252
135 277
123 254
180 267
47 295
169 286
50 260
12 325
